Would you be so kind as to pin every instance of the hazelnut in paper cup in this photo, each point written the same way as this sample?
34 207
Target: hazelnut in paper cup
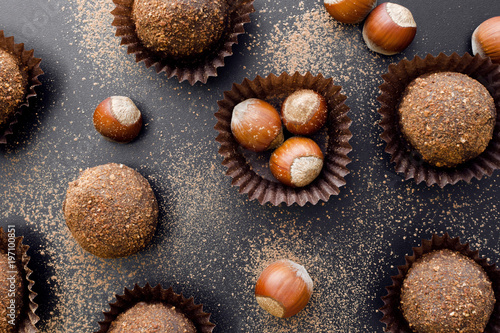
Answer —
17 313
19 76
158 33
393 312
162 304
250 171
408 161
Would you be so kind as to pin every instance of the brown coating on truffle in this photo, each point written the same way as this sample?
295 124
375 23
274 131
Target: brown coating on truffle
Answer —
445 292
180 28
111 210
13 86
152 318
447 117
11 292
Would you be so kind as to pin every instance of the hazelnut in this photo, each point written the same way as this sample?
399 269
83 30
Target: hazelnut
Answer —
283 288
117 118
389 29
256 125
297 162
486 39
349 11
304 112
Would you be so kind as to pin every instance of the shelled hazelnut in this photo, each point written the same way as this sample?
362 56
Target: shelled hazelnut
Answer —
118 119
283 288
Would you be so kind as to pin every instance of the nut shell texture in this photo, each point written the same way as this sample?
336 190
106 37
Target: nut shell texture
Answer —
389 29
180 28
349 11
486 39
284 288
297 162
447 117
304 112
111 211
446 292
256 125
118 119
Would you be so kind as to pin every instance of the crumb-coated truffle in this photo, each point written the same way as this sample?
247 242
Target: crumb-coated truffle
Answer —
11 294
13 86
180 28
447 117
111 210
445 292
152 318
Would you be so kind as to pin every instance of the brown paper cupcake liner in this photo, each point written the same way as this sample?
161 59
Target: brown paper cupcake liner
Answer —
275 89
199 71
408 161
28 318
393 317
130 297
27 60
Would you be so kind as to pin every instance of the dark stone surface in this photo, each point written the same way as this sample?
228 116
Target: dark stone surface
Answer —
212 242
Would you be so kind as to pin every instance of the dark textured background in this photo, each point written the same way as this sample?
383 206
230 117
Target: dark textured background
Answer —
212 242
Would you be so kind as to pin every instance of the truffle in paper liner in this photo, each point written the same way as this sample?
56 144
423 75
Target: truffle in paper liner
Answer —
393 317
193 71
336 133
408 161
27 317
131 297
31 65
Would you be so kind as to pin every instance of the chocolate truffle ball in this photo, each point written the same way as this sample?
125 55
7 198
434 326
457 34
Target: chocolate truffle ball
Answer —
444 292
11 295
13 83
447 117
111 211
180 28
152 318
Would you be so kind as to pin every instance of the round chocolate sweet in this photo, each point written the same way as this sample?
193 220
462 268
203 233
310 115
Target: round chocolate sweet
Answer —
111 211
11 294
152 318
13 83
444 292
447 117
180 28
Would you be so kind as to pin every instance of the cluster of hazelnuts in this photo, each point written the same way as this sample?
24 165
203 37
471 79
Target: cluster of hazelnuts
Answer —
257 126
388 29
